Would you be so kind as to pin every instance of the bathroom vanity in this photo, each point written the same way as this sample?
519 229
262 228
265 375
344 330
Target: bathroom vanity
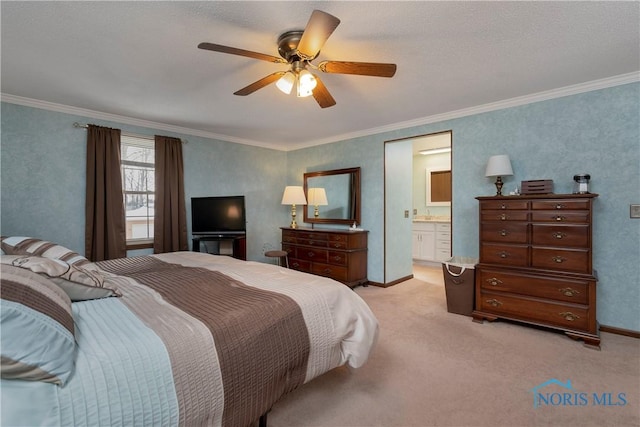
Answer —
431 237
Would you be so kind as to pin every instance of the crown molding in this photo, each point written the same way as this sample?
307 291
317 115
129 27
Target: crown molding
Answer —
83 112
513 102
499 105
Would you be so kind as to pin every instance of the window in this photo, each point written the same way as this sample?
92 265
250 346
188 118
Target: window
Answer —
138 182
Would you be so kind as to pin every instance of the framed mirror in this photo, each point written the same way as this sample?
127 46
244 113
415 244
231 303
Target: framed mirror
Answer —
438 187
339 203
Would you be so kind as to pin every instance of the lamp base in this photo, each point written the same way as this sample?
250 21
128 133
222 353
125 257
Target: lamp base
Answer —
499 186
293 217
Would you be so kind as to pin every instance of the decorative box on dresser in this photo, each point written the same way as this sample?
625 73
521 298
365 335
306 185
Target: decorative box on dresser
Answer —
338 254
536 263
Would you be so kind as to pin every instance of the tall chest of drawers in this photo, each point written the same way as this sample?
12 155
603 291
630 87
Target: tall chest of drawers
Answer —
536 263
338 254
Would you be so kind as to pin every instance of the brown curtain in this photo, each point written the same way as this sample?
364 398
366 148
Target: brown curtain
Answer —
170 222
105 224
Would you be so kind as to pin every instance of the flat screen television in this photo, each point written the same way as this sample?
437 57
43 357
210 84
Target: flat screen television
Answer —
218 215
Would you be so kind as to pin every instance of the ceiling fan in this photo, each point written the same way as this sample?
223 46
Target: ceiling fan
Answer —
298 48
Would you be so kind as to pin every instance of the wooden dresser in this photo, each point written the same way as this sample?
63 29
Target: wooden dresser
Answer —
338 254
535 263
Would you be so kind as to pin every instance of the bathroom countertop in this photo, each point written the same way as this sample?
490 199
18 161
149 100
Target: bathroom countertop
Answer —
427 218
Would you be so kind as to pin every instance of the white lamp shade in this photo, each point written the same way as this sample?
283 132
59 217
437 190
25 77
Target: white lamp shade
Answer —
317 197
293 195
285 83
499 166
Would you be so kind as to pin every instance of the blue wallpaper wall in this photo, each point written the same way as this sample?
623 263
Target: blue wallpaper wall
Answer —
598 132
43 178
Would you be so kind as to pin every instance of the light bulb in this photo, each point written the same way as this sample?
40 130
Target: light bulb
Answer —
306 83
285 83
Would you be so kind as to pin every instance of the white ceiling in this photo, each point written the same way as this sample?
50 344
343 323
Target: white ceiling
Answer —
140 60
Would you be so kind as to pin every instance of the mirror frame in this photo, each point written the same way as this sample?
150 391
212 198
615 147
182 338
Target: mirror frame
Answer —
356 216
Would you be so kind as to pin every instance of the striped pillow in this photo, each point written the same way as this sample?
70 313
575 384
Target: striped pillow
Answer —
19 245
37 341
79 283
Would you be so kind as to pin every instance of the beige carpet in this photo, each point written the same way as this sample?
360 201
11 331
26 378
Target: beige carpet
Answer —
434 368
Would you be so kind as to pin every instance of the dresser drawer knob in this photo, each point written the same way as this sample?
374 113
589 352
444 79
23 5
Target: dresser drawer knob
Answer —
336 245
494 302
503 254
559 218
494 281
558 259
311 254
327 270
503 217
559 206
504 232
569 292
559 235
503 206
567 315
337 258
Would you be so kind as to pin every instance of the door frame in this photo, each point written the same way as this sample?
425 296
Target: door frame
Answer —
384 228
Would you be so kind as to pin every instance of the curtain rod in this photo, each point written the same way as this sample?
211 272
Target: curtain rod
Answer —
134 135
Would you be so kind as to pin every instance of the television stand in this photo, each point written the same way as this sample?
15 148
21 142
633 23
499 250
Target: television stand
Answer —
234 245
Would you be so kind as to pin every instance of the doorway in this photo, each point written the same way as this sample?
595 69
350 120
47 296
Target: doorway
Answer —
418 198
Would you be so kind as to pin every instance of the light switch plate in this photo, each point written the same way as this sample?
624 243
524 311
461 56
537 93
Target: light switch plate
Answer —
634 211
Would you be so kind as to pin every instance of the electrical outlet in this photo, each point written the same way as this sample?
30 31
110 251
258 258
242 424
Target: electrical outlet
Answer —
415 211
406 213
634 211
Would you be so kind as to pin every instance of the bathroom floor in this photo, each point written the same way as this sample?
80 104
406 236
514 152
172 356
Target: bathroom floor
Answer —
428 274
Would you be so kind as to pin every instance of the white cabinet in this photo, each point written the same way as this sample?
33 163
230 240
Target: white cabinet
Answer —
443 241
431 241
424 237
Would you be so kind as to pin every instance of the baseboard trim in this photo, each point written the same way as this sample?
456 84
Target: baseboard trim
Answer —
620 331
395 282
378 284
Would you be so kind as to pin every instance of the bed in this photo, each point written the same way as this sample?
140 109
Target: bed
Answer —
181 338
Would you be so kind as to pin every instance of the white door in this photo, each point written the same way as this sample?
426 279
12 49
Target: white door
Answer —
398 176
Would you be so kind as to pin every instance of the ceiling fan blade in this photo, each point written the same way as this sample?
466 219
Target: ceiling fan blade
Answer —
235 51
359 68
320 26
322 95
248 90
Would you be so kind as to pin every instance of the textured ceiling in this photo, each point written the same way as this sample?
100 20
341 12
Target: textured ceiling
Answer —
140 60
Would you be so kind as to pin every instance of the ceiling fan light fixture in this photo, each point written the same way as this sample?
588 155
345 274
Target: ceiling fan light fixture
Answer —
306 83
286 82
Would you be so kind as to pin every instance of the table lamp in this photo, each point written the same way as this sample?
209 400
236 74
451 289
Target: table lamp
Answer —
293 195
499 166
317 197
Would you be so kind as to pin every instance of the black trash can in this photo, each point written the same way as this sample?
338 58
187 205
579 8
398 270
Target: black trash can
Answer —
459 283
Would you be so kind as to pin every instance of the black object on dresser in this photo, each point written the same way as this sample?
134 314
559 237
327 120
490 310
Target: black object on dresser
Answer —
338 254
536 263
